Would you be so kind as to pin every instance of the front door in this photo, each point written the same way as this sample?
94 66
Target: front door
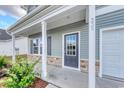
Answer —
71 50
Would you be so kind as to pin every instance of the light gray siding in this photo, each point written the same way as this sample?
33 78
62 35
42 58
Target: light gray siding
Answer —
56 35
56 38
100 6
108 20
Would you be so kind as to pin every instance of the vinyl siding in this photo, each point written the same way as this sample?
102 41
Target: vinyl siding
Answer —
56 38
57 33
100 6
107 20
21 43
115 18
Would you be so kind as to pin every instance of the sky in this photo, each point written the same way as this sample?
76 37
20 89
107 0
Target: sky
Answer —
9 14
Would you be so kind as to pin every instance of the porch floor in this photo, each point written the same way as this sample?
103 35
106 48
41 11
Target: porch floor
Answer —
67 78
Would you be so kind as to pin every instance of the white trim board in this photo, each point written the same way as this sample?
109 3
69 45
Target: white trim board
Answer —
108 9
78 50
100 43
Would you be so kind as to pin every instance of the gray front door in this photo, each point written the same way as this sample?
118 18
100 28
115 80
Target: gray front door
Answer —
71 50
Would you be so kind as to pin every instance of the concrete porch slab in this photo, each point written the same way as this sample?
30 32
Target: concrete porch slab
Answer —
68 78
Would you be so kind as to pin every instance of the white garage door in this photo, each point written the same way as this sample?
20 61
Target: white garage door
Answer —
113 53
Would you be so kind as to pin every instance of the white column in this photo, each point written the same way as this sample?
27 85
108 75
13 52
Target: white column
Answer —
13 49
91 46
44 50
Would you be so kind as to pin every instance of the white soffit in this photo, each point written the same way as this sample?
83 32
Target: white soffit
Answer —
68 19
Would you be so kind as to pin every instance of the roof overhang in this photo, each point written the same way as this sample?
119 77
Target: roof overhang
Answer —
48 13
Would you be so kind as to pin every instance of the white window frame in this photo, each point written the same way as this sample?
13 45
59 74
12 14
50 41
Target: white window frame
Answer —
39 42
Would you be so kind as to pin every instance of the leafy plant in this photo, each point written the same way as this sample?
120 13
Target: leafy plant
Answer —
21 75
20 58
3 62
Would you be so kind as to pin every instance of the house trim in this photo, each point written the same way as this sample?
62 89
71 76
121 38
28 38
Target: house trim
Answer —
78 50
100 43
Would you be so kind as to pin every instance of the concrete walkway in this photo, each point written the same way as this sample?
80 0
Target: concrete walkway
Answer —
67 78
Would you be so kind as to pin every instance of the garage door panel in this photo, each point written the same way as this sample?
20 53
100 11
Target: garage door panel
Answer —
110 59
121 74
111 35
111 72
108 48
113 53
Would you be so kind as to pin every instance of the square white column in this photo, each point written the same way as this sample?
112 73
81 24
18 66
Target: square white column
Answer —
92 46
44 49
13 49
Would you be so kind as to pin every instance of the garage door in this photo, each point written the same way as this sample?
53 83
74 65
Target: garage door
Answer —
113 53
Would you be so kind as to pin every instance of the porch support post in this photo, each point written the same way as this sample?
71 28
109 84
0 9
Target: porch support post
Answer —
91 46
44 49
13 48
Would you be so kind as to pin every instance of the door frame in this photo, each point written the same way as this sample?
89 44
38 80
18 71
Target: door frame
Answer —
100 43
64 50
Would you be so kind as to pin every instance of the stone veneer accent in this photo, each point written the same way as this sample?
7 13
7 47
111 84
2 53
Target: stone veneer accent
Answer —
57 61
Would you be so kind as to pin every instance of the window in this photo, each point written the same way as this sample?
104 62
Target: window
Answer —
35 46
40 45
17 51
71 45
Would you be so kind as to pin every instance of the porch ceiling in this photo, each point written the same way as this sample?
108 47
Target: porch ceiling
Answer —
70 16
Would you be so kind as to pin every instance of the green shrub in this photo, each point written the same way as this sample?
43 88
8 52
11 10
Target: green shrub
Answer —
20 58
3 62
21 75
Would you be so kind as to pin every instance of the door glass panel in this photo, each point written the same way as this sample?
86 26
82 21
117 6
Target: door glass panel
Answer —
71 45
34 46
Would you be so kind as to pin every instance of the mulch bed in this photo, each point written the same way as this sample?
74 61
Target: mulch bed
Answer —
38 83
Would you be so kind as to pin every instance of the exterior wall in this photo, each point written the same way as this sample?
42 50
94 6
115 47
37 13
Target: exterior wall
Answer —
108 20
56 42
115 18
57 62
22 44
56 38
6 46
100 6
